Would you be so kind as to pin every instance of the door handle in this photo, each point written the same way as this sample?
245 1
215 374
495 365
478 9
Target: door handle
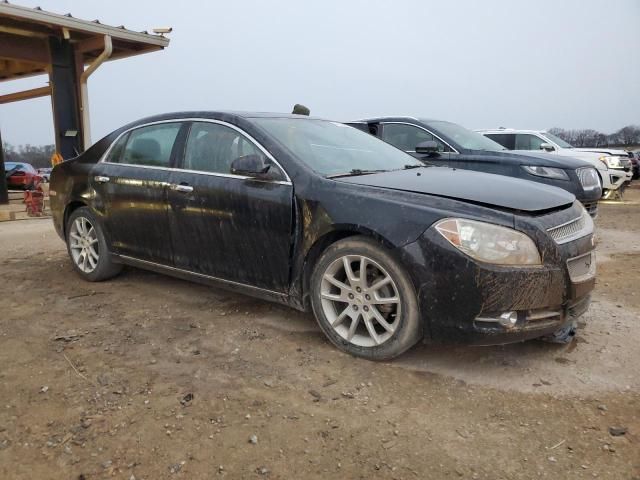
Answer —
178 187
101 179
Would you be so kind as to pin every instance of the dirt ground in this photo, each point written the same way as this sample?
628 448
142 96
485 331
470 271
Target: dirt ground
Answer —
149 377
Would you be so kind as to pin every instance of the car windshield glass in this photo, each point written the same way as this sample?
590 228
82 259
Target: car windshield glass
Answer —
557 140
332 148
463 137
11 165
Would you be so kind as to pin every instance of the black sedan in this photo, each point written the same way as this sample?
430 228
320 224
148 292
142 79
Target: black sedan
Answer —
318 215
446 143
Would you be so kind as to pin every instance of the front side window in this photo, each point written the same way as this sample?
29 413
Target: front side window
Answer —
526 141
407 137
148 146
212 147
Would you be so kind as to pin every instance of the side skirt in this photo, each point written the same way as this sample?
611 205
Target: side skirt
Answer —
208 280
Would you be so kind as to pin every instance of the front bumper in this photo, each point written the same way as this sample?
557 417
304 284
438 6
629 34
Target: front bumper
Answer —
460 299
612 179
619 176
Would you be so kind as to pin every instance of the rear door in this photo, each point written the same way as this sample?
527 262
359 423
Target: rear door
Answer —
228 226
131 192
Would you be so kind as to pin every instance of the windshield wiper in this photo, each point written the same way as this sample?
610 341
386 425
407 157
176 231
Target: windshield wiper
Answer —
409 167
355 172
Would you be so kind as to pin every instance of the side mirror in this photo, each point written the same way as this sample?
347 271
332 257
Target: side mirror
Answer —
250 166
429 147
547 147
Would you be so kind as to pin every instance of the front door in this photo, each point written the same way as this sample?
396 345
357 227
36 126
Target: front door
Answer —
131 192
228 226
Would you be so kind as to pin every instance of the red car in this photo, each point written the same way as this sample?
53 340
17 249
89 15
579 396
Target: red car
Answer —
21 176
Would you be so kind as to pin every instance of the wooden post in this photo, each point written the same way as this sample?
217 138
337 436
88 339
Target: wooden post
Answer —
4 192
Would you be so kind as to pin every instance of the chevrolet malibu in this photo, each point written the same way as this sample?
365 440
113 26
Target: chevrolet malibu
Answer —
320 216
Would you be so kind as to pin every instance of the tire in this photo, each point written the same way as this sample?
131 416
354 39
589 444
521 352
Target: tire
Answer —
87 247
383 330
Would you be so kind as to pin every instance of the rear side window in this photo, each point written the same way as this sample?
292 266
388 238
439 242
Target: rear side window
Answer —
212 147
148 146
525 141
507 140
407 137
115 154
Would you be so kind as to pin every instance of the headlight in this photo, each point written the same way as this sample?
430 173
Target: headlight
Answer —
547 172
610 161
489 243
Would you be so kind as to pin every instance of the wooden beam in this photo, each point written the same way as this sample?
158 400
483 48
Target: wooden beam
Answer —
25 95
24 49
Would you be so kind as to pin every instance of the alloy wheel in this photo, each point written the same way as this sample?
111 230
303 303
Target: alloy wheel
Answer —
360 300
83 245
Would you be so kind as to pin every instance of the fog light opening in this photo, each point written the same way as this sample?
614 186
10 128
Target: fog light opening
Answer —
508 319
505 319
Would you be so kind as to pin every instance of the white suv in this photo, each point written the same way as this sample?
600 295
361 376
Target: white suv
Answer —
612 165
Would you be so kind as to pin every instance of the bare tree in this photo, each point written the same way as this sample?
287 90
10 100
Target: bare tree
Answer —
629 135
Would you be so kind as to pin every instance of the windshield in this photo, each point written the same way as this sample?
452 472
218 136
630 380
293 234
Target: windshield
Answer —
332 148
463 137
557 140
11 165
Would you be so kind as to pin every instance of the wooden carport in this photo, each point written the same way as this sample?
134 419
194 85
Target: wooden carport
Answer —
68 50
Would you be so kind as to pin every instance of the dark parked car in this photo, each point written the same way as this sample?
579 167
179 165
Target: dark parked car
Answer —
318 215
446 143
21 176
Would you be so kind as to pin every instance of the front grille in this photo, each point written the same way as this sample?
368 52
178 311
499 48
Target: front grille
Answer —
582 268
577 228
588 178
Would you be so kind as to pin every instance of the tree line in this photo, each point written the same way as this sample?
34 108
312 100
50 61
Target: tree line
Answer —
38 156
626 137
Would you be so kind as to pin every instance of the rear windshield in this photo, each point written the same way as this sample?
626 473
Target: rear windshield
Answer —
332 148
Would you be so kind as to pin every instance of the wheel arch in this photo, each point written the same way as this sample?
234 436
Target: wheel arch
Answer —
68 210
323 242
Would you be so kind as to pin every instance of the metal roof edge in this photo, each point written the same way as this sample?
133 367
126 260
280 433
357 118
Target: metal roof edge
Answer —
42 16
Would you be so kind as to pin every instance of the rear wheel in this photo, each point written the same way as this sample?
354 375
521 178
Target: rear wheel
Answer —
364 301
87 247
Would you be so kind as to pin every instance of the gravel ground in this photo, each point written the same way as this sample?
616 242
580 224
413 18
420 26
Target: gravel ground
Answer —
149 377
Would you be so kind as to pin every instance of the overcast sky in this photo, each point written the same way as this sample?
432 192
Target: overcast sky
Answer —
490 63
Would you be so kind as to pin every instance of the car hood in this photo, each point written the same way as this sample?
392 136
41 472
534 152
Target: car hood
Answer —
475 187
605 150
532 158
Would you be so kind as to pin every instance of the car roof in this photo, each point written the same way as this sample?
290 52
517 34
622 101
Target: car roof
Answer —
393 118
216 114
508 130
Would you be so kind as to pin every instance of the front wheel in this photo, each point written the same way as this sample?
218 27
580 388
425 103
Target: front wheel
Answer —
87 247
364 301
